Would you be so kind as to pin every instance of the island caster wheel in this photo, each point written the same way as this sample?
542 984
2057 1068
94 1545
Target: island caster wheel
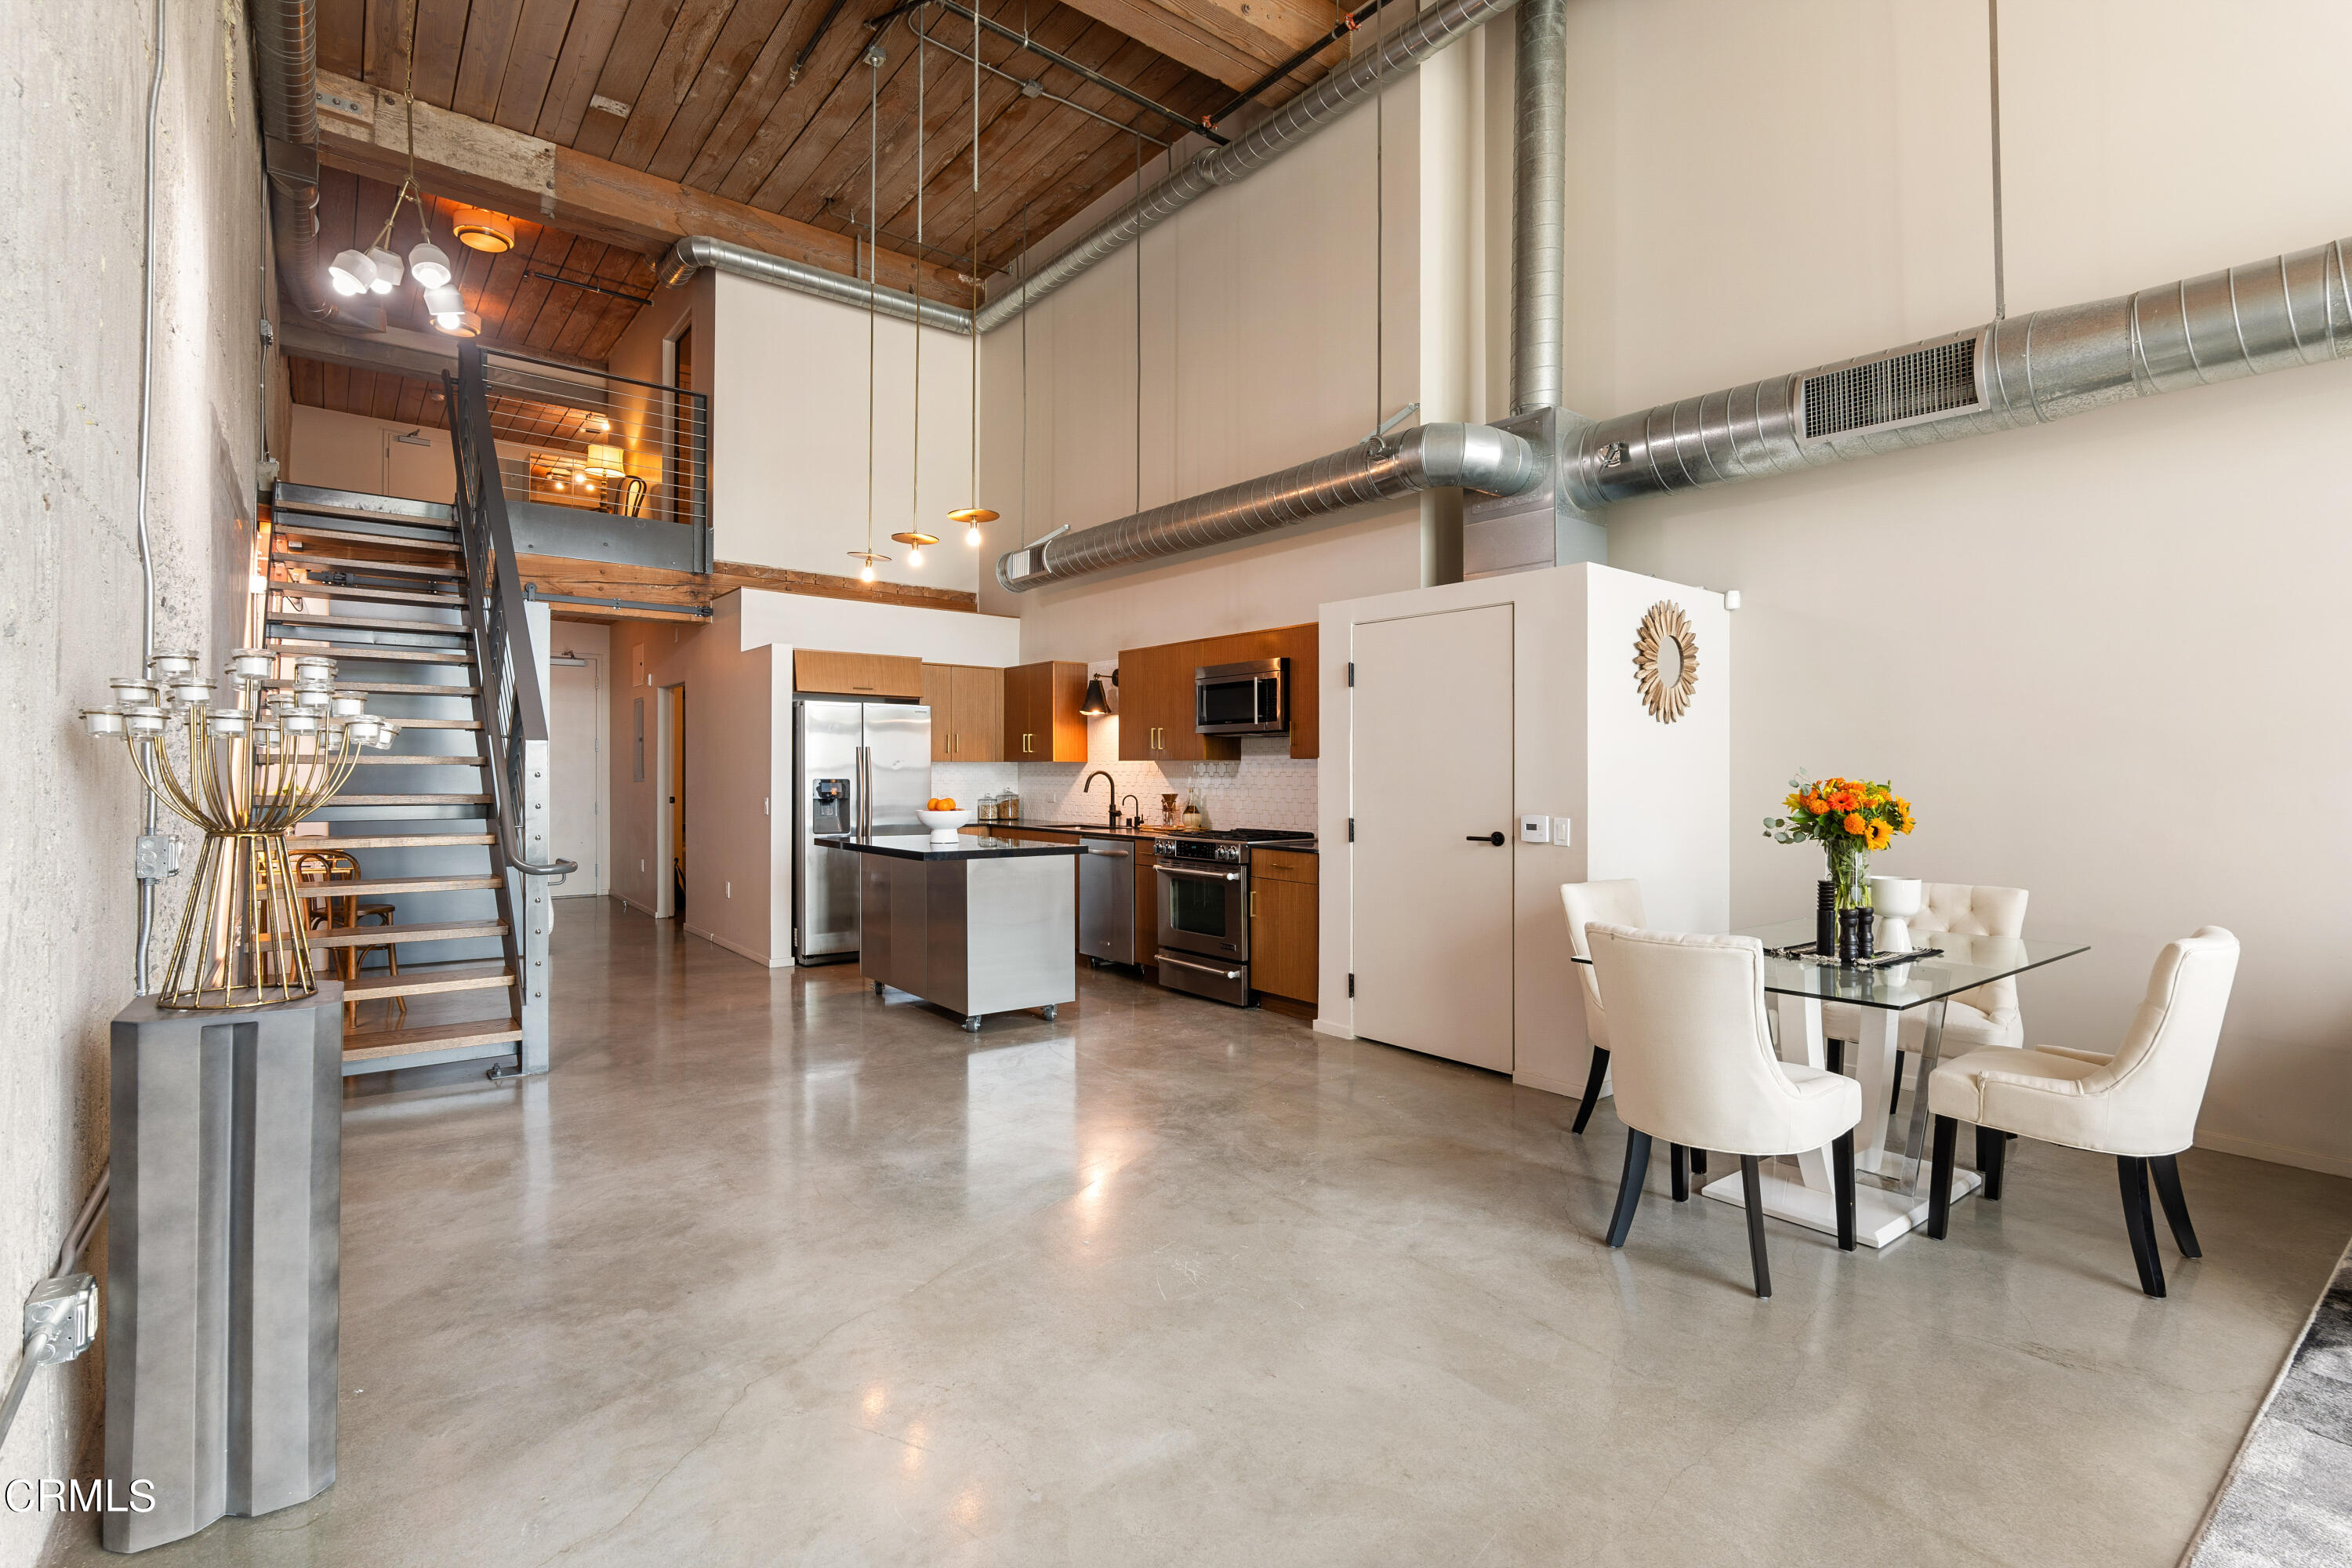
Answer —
1053 1010
877 988
971 1025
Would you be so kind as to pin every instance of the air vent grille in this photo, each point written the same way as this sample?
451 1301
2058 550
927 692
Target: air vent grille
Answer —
1921 384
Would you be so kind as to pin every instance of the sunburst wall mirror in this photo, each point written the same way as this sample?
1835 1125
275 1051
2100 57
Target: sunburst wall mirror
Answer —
1665 661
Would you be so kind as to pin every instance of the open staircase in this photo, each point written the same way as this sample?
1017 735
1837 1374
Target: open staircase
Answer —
420 607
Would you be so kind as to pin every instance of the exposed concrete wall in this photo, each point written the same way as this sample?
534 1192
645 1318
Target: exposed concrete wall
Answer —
73 120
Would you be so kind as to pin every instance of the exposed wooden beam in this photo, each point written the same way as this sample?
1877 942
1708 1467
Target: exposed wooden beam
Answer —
474 161
654 585
1233 40
394 349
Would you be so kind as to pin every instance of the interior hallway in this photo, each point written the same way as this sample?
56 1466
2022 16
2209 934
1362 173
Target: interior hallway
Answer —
1166 1282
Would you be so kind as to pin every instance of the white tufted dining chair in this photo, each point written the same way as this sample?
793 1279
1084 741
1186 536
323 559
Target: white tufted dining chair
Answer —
2139 1104
1615 902
1986 1015
1696 1066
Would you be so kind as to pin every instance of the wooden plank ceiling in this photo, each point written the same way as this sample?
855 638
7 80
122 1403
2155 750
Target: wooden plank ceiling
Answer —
701 92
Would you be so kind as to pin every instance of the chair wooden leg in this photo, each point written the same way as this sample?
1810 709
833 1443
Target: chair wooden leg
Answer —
1895 1086
1629 1186
1993 1146
1751 1185
2131 1175
1842 1178
1939 1177
1698 1162
1675 1153
1592 1082
2165 1169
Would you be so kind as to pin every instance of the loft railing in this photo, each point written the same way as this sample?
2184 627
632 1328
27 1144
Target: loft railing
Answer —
590 441
514 724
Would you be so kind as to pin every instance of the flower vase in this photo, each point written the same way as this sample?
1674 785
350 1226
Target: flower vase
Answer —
1850 883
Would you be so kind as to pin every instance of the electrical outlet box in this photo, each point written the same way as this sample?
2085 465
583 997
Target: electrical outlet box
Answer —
1534 829
1559 831
62 1318
156 857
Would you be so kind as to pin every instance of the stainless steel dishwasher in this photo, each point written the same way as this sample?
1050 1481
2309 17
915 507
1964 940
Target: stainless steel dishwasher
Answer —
1106 900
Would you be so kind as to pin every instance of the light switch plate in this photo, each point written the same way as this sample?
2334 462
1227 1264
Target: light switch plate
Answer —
1534 829
1559 831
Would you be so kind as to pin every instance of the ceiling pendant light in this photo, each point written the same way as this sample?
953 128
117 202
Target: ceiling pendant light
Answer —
387 268
477 229
973 515
428 265
350 273
914 536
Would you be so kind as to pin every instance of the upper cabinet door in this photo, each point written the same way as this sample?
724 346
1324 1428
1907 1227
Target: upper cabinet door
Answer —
1020 686
857 674
1041 721
938 696
979 713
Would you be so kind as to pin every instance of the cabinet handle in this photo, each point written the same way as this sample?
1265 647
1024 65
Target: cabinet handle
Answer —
1252 903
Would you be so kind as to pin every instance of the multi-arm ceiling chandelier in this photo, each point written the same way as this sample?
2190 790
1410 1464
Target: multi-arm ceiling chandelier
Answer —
377 270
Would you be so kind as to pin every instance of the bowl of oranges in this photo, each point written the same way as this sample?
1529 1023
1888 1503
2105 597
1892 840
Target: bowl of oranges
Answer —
942 816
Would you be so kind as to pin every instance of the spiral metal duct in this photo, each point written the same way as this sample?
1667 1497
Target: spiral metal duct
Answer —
2289 310
1474 457
1302 117
286 35
696 251
1539 206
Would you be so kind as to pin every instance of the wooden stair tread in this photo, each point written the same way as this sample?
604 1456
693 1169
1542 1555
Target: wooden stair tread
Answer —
438 723
371 595
369 652
383 841
429 981
400 689
360 622
428 931
284 526
409 799
374 1044
361 563
403 760
391 887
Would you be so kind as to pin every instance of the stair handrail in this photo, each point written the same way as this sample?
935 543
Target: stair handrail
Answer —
507 663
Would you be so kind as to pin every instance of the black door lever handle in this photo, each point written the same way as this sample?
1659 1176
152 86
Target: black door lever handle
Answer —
1494 838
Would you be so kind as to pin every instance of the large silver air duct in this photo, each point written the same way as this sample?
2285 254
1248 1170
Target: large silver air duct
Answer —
2289 310
1538 205
1473 456
1302 117
696 251
286 35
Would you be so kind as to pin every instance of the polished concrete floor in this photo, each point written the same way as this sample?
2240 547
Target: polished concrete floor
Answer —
772 1271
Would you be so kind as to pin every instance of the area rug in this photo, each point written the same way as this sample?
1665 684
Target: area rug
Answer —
2288 1500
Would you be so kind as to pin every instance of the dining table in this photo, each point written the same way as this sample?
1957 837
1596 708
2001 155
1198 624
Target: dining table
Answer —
1890 1189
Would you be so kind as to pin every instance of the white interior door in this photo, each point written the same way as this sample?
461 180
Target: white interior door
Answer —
1431 772
575 766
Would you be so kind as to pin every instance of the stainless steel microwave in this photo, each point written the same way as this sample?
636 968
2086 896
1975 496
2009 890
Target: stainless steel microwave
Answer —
1250 698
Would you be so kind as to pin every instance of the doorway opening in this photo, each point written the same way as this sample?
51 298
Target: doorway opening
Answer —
576 756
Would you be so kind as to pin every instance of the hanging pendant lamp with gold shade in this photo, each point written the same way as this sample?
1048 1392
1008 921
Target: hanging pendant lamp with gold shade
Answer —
973 515
866 558
914 537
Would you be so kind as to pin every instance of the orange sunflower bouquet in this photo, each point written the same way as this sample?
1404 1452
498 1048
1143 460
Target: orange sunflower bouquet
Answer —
1850 819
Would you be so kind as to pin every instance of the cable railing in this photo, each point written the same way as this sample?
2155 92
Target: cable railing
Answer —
590 441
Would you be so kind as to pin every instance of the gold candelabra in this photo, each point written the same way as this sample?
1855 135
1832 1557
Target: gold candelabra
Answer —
246 774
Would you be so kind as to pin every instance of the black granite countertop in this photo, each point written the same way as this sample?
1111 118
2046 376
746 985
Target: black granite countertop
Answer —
1098 830
922 846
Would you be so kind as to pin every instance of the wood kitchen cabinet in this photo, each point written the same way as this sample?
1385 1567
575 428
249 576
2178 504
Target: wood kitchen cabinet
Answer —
857 674
1041 721
967 704
1156 701
1282 916
1156 708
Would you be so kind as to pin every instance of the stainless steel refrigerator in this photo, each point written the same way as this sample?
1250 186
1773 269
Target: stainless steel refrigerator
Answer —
857 767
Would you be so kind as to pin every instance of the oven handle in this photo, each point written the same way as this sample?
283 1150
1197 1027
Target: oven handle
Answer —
1205 968
1188 871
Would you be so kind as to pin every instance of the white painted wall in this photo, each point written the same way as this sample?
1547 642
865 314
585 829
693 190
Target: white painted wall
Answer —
790 425
1646 800
2087 651
74 119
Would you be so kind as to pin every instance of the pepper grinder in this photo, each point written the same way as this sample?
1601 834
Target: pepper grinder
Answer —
1826 920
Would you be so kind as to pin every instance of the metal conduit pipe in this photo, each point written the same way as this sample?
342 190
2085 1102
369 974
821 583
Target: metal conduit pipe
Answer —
696 251
2289 310
1539 206
1329 99
1473 456
285 37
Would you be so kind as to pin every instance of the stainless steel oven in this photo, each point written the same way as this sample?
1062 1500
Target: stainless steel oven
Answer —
1204 903
1252 698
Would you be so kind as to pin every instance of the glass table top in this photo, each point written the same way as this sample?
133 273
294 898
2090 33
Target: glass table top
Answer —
1966 962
